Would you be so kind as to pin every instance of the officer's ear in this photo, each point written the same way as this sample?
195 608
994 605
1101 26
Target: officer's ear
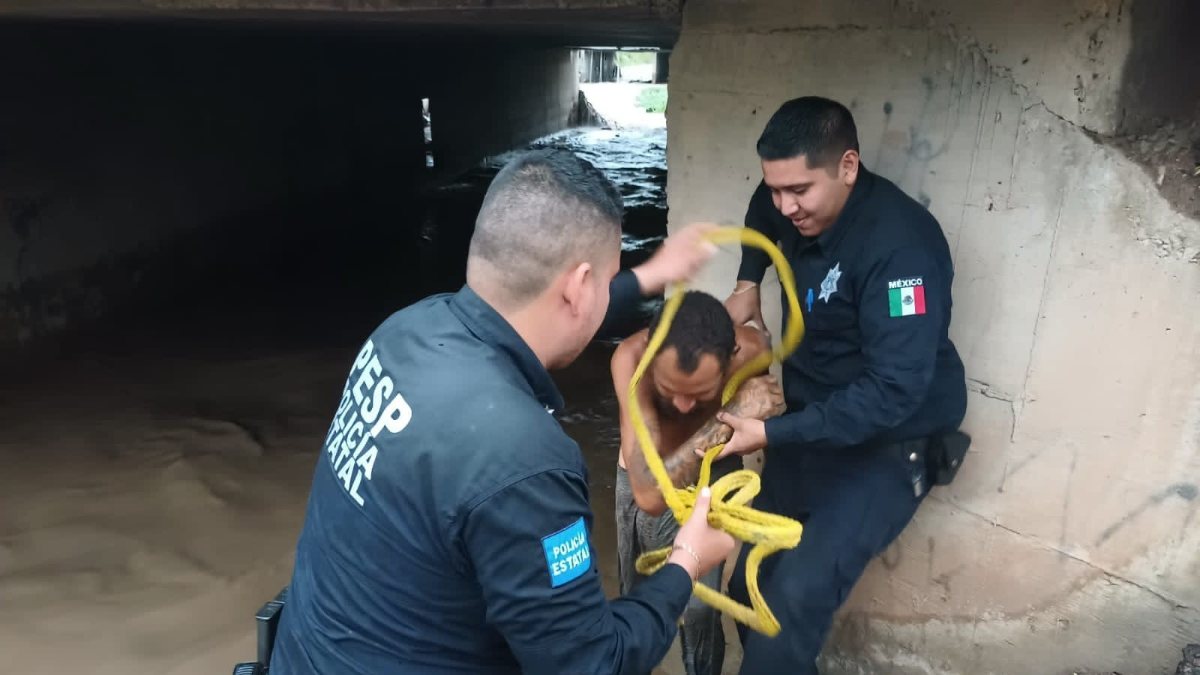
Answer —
848 168
577 290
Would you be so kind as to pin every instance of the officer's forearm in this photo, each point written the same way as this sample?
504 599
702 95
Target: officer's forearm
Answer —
754 265
755 261
622 317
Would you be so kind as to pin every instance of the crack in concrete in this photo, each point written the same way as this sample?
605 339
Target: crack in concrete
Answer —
1164 247
1107 141
1017 403
984 389
909 26
842 27
1109 575
1090 133
971 44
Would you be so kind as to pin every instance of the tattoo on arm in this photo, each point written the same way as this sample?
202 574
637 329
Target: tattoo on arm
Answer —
683 464
640 477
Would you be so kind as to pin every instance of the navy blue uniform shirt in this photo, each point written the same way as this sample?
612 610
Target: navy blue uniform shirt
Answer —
876 363
623 317
448 526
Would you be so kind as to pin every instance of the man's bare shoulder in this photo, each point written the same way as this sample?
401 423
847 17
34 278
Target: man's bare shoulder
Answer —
750 335
750 343
626 356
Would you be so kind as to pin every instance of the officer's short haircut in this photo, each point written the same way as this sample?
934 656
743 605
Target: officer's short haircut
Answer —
545 210
817 128
701 326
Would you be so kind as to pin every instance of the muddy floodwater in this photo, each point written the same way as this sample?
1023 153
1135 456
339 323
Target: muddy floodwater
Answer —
155 473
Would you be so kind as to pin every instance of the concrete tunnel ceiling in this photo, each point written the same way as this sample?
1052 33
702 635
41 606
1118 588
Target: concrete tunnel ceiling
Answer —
573 23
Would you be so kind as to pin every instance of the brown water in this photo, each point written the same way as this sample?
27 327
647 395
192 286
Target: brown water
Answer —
153 490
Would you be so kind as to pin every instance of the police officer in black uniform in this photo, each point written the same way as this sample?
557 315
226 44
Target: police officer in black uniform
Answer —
448 527
875 389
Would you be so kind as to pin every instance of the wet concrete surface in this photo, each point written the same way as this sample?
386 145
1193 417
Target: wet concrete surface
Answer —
155 473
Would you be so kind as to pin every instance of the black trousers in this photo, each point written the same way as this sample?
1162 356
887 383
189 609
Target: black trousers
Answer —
853 502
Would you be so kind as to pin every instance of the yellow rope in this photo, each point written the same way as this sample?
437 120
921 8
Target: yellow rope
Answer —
767 532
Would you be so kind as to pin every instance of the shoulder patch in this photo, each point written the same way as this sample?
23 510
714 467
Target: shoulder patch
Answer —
568 553
906 297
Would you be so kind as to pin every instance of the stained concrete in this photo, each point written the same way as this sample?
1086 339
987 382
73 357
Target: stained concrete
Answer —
547 22
1068 540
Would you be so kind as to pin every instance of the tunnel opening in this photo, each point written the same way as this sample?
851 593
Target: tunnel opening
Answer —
427 121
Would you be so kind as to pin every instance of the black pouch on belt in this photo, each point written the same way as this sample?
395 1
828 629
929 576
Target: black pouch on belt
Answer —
945 455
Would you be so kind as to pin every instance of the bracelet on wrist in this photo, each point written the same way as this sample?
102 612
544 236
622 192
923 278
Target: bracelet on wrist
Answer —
681 546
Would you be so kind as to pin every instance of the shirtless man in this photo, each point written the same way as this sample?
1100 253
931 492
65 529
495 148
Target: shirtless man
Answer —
680 395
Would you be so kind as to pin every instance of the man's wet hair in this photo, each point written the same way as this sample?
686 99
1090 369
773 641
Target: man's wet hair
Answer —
817 128
701 326
545 210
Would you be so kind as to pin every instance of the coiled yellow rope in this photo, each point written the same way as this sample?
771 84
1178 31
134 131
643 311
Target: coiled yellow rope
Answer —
767 532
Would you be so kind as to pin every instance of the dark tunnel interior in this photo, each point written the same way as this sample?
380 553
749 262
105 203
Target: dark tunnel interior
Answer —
158 172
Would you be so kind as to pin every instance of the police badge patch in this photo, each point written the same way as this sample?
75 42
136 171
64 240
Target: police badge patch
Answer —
829 285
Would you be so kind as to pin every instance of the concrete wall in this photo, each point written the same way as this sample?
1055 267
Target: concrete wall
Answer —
1069 540
555 22
491 102
137 161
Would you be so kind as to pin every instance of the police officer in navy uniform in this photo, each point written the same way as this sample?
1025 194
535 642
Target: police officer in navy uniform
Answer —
875 387
448 528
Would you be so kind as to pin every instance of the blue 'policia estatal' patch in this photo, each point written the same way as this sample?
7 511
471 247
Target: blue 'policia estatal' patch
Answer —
568 554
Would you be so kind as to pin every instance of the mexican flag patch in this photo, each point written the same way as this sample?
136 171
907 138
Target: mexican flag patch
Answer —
906 297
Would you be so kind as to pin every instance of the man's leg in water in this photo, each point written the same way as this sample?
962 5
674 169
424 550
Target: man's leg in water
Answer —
701 638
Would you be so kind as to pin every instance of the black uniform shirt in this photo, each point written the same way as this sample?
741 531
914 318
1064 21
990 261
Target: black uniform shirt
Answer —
876 363
448 526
